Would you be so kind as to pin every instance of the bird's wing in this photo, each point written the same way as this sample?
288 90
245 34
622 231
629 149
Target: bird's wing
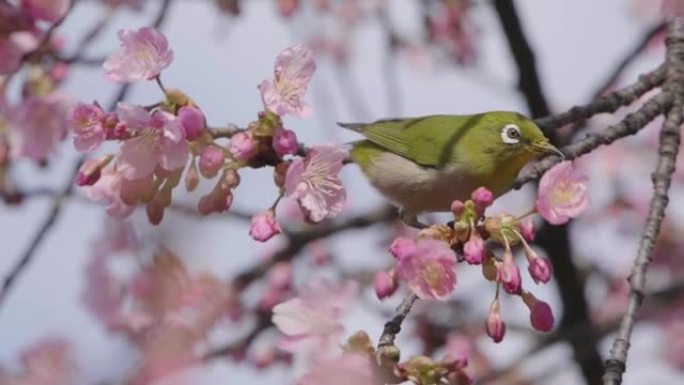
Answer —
429 141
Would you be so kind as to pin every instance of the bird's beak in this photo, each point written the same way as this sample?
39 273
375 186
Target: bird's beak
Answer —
546 148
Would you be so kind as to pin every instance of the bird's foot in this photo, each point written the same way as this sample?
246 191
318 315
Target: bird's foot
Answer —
411 220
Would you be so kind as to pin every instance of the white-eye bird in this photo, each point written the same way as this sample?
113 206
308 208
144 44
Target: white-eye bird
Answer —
424 164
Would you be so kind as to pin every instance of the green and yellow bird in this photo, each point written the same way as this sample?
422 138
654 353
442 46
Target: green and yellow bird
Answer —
423 164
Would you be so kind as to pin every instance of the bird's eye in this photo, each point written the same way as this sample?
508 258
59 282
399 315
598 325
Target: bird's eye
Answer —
510 134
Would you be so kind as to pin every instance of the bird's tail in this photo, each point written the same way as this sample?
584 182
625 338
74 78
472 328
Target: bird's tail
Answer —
358 127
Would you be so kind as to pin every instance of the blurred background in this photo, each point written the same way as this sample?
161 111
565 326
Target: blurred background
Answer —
375 59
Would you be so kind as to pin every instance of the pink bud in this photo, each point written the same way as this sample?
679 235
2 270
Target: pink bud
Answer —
264 226
155 212
495 327
508 274
264 358
280 275
482 198
540 269
91 170
191 177
193 122
211 160
474 250
457 207
541 316
242 146
527 229
285 142
287 7
385 284
402 247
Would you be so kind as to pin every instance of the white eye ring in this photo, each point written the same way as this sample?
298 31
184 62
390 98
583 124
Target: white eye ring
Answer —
510 134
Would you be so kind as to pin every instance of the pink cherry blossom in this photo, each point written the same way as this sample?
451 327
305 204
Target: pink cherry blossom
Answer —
562 194
402 247
350 368
37 126
47 362
293 70
193 120
264 226
429 269
87 124
108 189
143 55
314 182
285 142
495 327
312 320
242 146
159 140
48 10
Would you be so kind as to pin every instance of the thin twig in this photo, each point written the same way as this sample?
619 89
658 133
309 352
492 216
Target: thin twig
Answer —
662 177
393 326
605 104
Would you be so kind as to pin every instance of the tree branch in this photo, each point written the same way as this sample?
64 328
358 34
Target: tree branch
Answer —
393 326
667 151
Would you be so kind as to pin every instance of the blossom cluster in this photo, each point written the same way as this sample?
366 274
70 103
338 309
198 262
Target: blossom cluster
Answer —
170 141
427 264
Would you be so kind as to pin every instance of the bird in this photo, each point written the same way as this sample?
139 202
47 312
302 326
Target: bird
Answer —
423 164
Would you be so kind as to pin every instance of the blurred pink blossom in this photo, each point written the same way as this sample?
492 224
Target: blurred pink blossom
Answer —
48 10
428 269
312 320
402 247
314 182
10 55
37 126
46 362
385 284
143 55
283 95
562 194
350 368
159 140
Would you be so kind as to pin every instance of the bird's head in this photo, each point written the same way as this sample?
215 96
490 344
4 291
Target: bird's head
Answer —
510 135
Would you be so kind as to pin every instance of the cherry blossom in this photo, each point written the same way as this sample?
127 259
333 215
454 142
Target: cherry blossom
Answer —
144 54
293 70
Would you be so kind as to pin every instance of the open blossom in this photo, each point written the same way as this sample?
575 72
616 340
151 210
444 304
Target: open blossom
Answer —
313 318
108 189
48 10
159 140
87 125
143 55
428 269
562 194
283 95
37 126
314 182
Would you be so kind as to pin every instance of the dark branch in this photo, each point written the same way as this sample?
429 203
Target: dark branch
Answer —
393 326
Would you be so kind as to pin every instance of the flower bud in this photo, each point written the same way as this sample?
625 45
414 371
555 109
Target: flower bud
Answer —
474 250
90 171
191 177
527 229
494 325
284 142
211 160
457 207
482 198
541 315
242 146
385 284
509 275
193 122
264 226
540 269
